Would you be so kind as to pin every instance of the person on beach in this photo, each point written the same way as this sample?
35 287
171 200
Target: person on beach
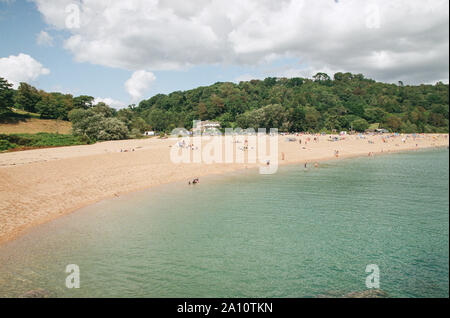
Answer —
195 181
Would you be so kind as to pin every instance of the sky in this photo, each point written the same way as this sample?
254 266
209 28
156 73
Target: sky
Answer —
122 52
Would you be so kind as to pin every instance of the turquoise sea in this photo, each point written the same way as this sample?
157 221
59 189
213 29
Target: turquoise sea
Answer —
298 233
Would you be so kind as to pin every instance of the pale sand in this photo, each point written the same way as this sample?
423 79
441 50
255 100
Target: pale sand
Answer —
39 185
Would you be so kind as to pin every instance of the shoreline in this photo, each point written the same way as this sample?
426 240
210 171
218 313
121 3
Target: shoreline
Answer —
57 183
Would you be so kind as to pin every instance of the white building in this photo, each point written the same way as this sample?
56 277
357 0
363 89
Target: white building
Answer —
202 126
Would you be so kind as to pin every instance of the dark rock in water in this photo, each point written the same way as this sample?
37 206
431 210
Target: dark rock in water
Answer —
37 293
370 293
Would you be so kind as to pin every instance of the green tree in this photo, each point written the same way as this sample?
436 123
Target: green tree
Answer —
298 119
6 95
321 77
83 101
202 111
112 129
95 126
295 82
393 123
360 125
126 115
312 119
104 110
374 114
158 119
54 105
26 97
139 124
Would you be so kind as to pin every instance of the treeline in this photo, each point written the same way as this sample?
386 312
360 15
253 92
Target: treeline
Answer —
90 121
321 104
47 105
348 101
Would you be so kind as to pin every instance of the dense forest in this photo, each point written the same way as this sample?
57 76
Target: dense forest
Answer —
297 104
347 101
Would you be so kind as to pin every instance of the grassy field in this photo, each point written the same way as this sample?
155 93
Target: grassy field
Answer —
22 112
33 126
22 122
21 130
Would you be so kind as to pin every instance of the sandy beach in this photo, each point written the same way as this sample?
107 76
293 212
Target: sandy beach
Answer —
40 185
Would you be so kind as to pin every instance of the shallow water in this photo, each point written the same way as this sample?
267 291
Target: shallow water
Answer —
298 233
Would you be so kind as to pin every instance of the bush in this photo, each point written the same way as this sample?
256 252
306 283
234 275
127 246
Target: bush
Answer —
112 129
135 133
6 145
19 139
39 140
96 124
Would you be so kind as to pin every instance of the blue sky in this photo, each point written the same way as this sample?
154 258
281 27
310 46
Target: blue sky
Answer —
172 45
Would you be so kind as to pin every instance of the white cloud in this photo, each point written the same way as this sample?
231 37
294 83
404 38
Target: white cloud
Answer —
21 68
245 78
110 102
385 39
138 84
44 39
